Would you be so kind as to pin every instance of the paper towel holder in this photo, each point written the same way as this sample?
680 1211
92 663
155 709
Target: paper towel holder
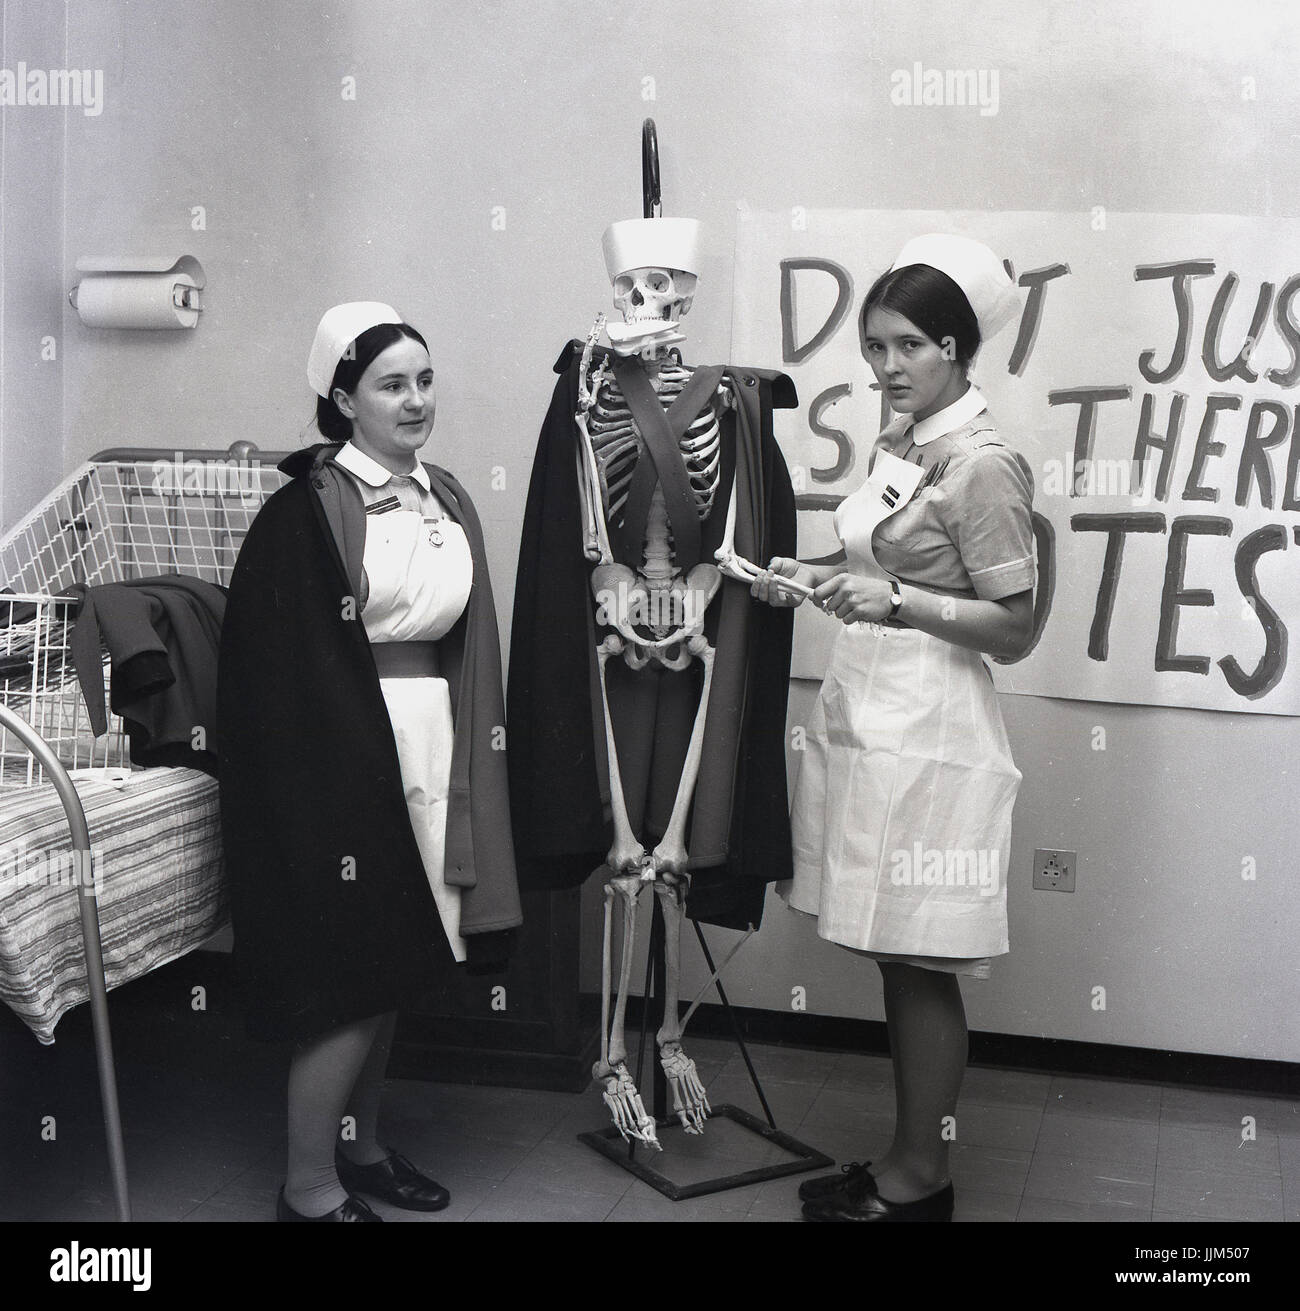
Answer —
186 274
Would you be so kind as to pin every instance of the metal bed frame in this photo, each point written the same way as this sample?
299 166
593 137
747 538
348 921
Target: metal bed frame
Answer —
129 512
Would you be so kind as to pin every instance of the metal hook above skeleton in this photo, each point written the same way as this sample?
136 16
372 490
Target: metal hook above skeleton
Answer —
672 468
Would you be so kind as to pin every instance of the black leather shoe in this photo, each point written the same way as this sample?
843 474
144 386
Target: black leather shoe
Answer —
352 1211
825 1185
394 1180
858 1204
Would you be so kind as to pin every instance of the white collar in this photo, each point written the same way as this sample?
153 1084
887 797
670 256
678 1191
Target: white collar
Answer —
951 417
371 472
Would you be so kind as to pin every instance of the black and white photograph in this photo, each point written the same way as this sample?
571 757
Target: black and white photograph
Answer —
668 613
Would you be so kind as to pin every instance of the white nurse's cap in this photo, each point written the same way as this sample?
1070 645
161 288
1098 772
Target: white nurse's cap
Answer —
338 329
652 243
975 269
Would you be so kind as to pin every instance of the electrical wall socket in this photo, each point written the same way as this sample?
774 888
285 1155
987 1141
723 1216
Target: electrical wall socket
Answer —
1054 870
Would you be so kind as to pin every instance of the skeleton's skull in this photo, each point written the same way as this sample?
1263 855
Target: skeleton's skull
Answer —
654 295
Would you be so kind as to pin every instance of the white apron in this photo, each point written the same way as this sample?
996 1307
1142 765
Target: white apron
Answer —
418 591
901 816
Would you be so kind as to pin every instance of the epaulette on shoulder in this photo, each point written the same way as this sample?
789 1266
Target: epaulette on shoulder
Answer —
784 395
306 458
985 439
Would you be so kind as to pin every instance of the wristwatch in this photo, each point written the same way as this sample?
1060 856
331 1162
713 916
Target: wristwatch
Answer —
895 598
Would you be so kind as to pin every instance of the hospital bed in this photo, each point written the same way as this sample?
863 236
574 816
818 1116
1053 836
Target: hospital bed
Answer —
106 871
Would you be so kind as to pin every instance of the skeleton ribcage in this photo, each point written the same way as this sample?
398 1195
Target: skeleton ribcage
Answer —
617 444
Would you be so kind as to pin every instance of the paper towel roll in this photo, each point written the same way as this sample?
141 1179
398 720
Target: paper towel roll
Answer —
133 300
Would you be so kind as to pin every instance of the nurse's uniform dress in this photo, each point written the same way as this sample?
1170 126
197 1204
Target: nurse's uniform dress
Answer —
417 577
901 815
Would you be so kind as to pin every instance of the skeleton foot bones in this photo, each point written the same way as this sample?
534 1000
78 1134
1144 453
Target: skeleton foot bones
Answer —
625 1105
620 1095
690 1101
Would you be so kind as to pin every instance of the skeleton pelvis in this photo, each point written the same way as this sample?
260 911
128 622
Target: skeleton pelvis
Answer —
646 610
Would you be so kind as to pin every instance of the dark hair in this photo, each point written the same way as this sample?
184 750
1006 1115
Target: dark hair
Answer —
933 301
335 426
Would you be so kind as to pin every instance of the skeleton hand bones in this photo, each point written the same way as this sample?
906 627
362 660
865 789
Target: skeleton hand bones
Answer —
746 571
851 598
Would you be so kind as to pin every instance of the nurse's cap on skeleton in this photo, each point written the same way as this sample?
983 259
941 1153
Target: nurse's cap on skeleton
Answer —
975 269
652 243
338 329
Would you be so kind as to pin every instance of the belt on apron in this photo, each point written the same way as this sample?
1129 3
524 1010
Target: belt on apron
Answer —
406 659
881 623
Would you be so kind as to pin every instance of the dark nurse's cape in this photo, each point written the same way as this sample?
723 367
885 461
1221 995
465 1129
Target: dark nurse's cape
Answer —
331 907
739 836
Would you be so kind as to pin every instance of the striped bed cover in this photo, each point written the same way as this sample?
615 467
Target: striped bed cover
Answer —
156 839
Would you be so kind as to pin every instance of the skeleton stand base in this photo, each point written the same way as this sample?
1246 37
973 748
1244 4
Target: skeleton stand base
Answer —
609 1143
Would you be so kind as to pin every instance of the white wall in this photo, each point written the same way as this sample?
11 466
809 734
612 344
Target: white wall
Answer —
536 108
31 258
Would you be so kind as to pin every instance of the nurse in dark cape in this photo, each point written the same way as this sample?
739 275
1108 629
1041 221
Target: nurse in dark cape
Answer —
365 809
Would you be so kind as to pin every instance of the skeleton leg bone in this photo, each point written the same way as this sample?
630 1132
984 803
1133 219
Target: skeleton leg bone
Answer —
627 854
670 854
620 1094
669 861
606 973
690 1102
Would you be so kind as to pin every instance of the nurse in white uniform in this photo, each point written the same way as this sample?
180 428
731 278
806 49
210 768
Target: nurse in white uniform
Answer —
376 384
416 578
901 814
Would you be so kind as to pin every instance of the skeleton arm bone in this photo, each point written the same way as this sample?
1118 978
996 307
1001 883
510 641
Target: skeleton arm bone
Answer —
586 393
746 571
595 534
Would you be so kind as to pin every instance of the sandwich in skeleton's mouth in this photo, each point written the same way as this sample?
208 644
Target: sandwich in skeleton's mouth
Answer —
626 336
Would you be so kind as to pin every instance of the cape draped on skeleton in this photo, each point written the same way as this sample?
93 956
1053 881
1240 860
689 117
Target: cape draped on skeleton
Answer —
739 836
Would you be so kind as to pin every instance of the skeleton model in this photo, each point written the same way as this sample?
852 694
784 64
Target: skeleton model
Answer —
650 613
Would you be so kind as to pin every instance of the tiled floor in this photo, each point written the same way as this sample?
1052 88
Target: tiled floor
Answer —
205 1139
